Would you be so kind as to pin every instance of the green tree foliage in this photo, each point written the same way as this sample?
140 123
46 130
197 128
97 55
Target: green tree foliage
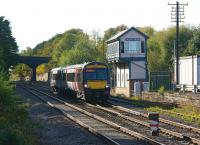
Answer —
83 50
149 31
194 43
8 45
72 47
27 52
161 47
21 71
112 31
155 54
75 46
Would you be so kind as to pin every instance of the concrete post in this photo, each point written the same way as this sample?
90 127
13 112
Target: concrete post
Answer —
33 77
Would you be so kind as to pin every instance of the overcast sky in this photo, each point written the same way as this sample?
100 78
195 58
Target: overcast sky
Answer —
34 21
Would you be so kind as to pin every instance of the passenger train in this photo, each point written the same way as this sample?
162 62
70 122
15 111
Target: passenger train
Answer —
89 80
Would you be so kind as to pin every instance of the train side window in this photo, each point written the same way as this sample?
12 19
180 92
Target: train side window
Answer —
78 77
51 76
54 76
58 76
70 77
64 76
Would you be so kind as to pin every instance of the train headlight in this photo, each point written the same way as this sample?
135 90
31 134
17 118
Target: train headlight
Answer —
85 85
108 85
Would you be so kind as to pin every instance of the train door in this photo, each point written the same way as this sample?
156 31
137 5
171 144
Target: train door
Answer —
78 79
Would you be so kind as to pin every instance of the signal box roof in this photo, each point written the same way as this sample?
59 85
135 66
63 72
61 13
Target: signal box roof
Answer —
120 34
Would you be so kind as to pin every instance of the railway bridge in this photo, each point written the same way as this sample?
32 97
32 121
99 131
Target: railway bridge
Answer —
33 62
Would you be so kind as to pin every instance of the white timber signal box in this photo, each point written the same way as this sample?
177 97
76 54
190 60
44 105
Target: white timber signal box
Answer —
127 52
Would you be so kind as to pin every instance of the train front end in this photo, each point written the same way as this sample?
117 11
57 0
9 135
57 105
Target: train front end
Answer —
96 82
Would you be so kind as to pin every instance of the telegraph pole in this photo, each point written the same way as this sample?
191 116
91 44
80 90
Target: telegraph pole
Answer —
177 15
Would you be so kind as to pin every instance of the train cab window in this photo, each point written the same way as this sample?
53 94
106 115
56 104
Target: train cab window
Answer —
90 76
102 74
96 74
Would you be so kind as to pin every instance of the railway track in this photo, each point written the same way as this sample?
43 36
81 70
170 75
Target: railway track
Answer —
114 115
169 136
164 122
107 130
187 132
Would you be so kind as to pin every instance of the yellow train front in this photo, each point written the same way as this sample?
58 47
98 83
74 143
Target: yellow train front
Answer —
96 82
89 80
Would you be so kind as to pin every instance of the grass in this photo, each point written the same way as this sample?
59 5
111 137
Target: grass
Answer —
187 113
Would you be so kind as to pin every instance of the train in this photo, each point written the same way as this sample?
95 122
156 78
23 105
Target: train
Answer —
90 81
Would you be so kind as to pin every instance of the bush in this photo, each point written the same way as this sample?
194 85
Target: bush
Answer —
6 90
15 126
161 91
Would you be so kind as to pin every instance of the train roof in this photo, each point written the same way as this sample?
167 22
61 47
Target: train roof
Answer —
55 70
84 64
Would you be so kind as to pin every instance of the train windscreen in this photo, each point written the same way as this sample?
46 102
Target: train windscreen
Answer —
96 74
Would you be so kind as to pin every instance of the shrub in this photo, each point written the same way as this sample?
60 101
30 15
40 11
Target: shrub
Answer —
161 91
15 126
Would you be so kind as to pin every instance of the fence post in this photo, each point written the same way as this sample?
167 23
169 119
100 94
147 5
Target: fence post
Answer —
195 89
183 86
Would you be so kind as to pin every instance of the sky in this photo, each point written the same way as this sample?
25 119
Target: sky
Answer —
35 21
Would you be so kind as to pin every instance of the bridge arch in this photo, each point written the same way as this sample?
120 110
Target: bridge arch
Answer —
33 62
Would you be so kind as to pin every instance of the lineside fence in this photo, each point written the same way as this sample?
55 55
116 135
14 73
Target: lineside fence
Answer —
159 79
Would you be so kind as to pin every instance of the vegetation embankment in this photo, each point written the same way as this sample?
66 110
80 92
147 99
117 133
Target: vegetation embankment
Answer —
15 126
187 113
75 46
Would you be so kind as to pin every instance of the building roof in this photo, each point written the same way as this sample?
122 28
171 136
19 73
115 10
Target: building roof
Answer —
120 34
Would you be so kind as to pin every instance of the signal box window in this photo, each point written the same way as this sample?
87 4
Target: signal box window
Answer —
122 47
133 46
142 47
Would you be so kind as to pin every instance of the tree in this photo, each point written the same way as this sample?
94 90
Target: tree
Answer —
21 71
112 31
162 42
84 50
156 53
194 43
8 45
149 31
